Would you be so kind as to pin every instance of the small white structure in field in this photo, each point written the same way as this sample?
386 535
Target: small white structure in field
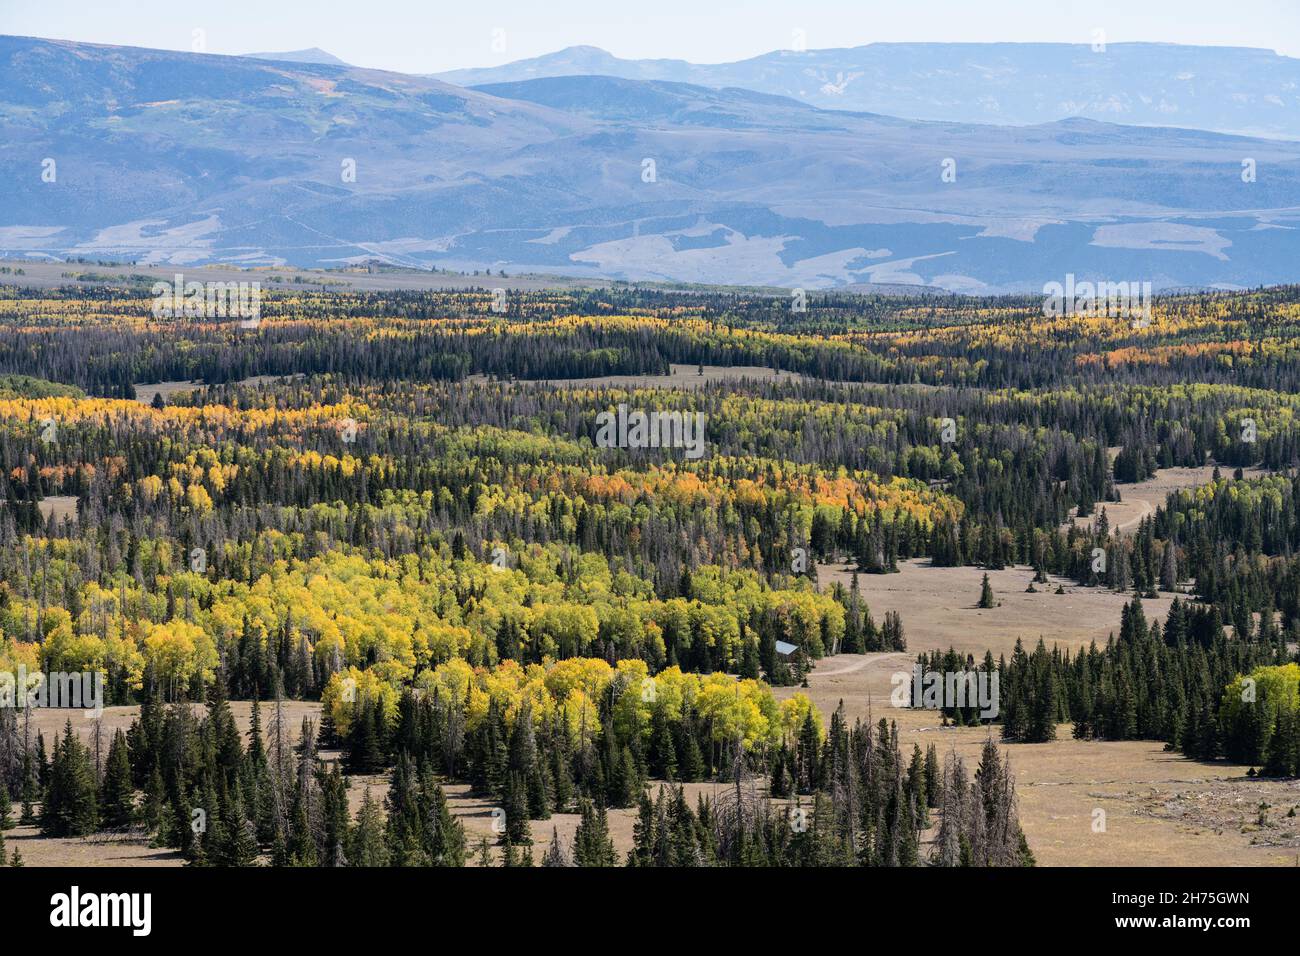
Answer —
784 649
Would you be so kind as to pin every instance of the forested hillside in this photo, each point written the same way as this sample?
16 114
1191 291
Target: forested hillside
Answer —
374 502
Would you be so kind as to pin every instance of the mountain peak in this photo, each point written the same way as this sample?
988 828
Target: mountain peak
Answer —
580 55
312 54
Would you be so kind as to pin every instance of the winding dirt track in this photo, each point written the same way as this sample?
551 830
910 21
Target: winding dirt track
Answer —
853 663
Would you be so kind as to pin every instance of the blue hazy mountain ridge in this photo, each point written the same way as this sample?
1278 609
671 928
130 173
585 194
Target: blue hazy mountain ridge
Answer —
184 158
1228 89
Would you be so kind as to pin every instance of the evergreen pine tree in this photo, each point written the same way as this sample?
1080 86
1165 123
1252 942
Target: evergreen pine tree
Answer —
592 845
366 846
70 807
117 800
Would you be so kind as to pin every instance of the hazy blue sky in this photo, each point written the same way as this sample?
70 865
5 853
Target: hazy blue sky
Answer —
427 36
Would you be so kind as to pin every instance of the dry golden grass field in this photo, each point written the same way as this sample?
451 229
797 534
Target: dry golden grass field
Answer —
145 393
1160 808
938 607
59 507
1139 500
681 376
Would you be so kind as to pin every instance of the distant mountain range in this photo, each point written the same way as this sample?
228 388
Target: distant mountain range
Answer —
1227 89
180 158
